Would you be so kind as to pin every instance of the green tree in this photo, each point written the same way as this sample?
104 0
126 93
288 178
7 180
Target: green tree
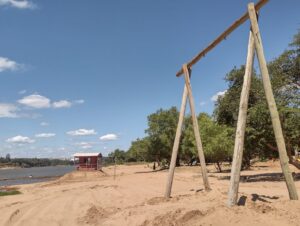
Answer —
217 140
7 157
285 73
161 132
118 156
259 138
139 150
188 149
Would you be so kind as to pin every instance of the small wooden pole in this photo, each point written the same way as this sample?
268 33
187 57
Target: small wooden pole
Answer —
272 105
115 168
176 144
196 127
241 126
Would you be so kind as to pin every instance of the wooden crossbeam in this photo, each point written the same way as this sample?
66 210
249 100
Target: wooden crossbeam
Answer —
221 37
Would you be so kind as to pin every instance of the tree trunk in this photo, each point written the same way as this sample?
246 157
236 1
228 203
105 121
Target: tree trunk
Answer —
219 166
178 161
292 160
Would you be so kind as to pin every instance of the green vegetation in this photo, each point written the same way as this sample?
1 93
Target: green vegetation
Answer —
218 131
11 192
217 141
32 162
285 78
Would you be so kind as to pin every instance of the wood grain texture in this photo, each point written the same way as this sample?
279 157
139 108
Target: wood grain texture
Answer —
176 144
241 127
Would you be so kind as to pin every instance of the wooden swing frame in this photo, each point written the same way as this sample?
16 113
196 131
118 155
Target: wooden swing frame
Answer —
254 45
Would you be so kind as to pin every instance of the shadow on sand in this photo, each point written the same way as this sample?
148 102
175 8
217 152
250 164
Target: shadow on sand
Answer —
255 197
262 177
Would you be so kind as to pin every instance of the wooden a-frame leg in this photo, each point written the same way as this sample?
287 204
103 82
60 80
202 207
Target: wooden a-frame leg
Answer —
272 105
241 126
176 144
196 127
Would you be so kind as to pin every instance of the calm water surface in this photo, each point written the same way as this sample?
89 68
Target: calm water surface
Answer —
32 175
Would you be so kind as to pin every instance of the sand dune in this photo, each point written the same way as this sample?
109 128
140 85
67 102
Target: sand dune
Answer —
95 198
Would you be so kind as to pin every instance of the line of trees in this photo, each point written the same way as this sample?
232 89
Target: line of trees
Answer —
217 131
157 145
259 138
32 162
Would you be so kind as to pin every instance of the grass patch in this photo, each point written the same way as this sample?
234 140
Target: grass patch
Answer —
13 192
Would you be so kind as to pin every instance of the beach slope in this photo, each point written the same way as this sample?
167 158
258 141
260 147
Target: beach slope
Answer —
135 197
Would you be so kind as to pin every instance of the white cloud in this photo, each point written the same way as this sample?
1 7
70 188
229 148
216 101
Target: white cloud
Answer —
35 101
7 64
81 143
202 103
21 92
8 111
39 101
66 103
84 145
108 137
20 140
82 132
79 101
45 135
62 104
217 95
44 124
20 4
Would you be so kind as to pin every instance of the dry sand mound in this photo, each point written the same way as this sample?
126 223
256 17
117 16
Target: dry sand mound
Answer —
96 198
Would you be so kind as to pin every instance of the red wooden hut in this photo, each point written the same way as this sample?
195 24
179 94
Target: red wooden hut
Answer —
88 161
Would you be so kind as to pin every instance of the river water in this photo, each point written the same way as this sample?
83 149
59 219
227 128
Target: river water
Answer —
32 175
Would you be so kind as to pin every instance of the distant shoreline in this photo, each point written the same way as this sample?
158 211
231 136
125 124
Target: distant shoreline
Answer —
17 175
9 167
19 167
29 178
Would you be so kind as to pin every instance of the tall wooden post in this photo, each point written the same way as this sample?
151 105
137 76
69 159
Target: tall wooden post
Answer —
196 127
272 105
241 126
176 144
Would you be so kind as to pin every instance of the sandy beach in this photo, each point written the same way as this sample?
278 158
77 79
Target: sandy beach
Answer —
135 197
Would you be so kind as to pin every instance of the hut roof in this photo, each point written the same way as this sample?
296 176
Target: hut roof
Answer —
86 154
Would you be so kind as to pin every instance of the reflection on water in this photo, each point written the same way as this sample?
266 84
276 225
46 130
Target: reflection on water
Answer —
32 175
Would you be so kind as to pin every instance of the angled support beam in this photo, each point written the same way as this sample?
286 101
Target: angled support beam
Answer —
241 127
284 162
196 127
187 92
176 144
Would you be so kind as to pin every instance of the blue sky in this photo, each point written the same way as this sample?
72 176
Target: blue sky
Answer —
83 75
